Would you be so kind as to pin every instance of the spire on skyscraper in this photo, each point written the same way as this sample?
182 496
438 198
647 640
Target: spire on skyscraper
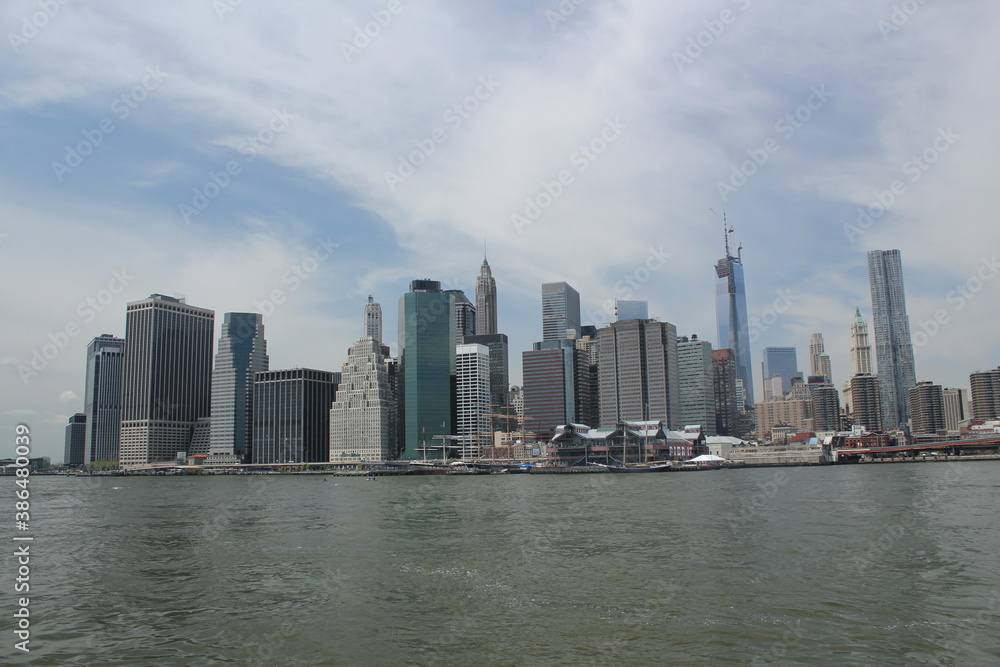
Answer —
486 299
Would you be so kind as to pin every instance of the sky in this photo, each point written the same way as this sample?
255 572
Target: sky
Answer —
292 159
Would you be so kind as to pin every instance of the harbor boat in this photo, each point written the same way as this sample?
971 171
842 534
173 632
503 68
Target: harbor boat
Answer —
664 466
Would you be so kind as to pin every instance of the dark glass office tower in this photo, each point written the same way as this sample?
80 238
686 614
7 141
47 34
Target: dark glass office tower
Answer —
560 311
291 415
731 316
242 353
426 368
781 362
76 438
103 398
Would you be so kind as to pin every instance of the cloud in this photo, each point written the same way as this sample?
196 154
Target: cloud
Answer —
68 396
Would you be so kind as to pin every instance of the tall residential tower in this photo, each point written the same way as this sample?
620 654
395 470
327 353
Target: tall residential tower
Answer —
893 346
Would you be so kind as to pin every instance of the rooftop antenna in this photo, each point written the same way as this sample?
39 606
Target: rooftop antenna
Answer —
726 230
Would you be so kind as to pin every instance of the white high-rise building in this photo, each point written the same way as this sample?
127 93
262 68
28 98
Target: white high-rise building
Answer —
861 347
816 349
362 418
472 399
373 320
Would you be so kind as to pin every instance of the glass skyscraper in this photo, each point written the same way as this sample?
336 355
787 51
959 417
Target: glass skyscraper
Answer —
560 311
242 352
426 368
781 362
893 347
291 415
103 398
731 317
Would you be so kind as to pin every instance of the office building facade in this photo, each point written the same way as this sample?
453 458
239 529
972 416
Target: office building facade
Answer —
560 311
472 400
242 354
373 320
103 398
362 417
291 415
556 388
426 368
926 408
727 407
76 440
166 383
861 347
866 402
781 362
985 394
696 384
638 373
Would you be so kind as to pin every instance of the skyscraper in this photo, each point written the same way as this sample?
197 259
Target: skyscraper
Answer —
631 310
362 417
472 399
893 347
373 320
167 378
926 408
731 316
560 311
637 367
557 387
464 313
861 348
954 408
816 348
242 353
76 440
486 301
866 402
499 368
727 407
695 383
780 362
103 398
291 415
825 406
985 394
426 366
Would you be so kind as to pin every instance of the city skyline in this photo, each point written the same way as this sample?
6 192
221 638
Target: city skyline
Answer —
284 170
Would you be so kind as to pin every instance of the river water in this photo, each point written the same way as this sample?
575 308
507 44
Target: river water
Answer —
848 565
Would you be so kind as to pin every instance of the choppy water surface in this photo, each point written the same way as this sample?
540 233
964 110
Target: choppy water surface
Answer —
878 564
